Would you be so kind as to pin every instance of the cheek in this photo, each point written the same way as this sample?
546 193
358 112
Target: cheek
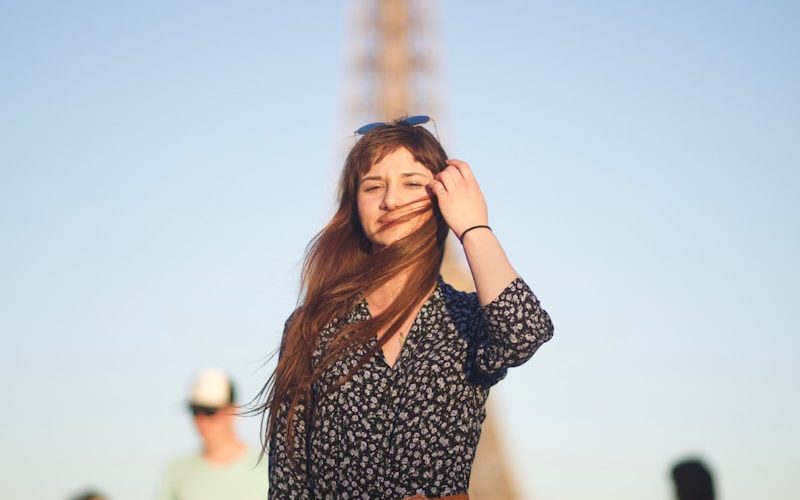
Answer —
364 207
215 423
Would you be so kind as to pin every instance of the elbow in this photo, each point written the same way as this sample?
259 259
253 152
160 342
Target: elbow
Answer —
547 329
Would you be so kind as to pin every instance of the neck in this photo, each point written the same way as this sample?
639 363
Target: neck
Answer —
380 298
226 448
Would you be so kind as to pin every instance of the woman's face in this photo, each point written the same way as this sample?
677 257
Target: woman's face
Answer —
392 187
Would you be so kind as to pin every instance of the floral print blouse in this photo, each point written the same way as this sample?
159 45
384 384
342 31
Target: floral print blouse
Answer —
395 431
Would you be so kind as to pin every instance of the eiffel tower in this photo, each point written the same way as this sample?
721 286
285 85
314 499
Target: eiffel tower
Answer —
395 73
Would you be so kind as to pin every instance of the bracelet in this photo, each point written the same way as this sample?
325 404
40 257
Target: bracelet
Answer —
461 238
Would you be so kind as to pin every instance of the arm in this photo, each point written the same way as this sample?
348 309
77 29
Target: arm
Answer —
510 324
507 332
463 206
285 480
490 268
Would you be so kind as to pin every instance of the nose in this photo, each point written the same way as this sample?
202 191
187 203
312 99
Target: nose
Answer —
391 198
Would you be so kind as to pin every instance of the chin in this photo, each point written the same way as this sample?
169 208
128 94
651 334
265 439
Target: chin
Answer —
381 242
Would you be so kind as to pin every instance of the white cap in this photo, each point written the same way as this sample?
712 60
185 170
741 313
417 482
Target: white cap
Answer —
212 387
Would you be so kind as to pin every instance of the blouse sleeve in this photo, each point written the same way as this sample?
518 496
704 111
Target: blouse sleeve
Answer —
287 478
507 332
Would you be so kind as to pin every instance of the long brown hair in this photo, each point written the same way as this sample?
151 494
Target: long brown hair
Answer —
342 266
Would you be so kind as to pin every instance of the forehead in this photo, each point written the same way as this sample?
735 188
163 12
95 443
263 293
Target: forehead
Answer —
399 160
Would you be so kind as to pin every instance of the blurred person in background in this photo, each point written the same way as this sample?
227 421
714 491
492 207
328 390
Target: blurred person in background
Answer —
90 495
384 369
225 468
693 480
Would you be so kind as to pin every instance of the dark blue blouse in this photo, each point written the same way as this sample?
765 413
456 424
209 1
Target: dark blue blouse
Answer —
392 432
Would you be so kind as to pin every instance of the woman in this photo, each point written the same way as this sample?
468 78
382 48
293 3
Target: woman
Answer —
384 370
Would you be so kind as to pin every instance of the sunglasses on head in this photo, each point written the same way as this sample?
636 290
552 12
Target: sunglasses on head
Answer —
208 411
409 121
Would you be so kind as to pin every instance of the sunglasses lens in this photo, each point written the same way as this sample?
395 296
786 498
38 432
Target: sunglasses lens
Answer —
369 126
413 121
203 410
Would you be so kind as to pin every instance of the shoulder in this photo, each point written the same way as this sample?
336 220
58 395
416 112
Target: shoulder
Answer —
355 312
451 295
516 292
183 464
458 302
254 459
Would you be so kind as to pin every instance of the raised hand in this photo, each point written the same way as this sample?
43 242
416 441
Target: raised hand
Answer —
460 199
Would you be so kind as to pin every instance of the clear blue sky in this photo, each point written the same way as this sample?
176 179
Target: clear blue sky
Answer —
163 164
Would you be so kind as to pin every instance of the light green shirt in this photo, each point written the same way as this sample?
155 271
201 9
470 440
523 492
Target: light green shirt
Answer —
194 478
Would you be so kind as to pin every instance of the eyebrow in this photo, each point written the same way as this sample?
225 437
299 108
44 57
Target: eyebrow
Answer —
379 178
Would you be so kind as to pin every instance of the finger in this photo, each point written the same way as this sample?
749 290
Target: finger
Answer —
458 178
437 188
463 167
448 178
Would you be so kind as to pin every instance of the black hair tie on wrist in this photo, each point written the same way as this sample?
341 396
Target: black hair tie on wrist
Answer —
461 238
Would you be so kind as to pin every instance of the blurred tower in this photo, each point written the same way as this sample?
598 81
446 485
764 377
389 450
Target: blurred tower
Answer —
394 67
395 70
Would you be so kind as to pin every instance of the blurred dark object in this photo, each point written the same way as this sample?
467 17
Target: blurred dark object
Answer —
90 495
693 480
